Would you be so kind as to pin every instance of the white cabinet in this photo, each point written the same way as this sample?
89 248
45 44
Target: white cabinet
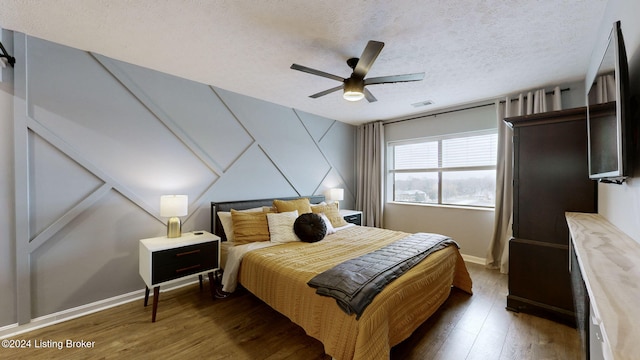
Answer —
165 260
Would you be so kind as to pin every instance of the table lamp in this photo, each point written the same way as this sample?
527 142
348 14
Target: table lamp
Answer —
336 194
172 206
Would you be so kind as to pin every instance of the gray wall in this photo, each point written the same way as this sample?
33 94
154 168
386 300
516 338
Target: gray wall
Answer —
97 141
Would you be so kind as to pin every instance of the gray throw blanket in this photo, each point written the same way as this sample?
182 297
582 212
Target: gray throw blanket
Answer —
355 282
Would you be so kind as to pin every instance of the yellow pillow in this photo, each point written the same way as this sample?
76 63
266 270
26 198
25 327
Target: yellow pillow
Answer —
332 213
249 226
302 205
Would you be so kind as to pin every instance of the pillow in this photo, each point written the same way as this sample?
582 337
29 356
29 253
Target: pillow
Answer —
281 226
332 213
310 227
302 205
327 223
249 226
227 223
318 204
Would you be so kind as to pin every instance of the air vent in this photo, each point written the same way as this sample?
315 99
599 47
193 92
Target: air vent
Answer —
422 103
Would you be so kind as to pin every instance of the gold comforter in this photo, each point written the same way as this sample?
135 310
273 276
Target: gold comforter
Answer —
278 275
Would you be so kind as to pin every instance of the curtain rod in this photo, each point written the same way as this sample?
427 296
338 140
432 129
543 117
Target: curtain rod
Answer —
546 93
456 110
440 113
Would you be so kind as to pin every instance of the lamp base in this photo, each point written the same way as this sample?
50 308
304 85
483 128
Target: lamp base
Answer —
174 227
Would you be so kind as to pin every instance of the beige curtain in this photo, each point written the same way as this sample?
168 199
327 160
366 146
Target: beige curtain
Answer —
532 103
369 172
605 90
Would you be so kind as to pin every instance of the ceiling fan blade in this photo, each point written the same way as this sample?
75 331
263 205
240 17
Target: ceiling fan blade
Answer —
329 91
394 79
367 58
316 72
369 96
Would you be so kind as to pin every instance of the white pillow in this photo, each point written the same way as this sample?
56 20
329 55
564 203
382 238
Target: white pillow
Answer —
319 204
330 229
227 223
281 226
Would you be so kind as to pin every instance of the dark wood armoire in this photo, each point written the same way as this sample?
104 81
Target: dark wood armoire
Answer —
550 177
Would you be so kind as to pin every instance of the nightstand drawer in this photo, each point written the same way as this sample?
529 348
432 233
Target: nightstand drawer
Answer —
353 219
175 263
185 253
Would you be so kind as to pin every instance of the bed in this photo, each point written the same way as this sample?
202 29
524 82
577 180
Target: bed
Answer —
278 275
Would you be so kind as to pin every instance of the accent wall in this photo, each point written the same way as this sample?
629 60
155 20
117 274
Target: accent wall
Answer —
89 144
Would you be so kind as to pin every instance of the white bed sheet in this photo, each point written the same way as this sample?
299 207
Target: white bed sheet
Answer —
234 259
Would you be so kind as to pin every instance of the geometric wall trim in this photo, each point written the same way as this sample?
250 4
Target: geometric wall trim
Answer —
284 139
57 184
317 126
240 181
97 141
199 119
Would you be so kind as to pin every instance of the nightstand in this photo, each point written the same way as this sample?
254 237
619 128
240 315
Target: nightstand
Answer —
165 260
352 216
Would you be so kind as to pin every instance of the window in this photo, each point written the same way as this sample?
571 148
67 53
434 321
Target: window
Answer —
456 169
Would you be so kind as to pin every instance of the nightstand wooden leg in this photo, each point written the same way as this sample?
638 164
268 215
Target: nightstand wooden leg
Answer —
200 278
212 285
156 295
146 295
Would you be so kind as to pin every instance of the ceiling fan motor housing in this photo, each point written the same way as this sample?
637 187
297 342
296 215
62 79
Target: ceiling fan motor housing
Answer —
352 62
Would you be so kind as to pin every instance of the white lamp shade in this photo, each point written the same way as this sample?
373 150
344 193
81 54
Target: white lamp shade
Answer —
173 205
336 194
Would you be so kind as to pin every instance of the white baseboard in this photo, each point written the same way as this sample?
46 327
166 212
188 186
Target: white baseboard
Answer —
474 259
55 318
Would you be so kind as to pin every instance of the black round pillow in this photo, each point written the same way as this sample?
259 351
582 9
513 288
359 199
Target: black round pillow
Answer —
310 227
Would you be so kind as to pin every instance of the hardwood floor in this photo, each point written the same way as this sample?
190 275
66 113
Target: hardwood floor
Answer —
190 325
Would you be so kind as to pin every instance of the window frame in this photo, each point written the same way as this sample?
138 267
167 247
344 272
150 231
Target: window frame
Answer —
390 171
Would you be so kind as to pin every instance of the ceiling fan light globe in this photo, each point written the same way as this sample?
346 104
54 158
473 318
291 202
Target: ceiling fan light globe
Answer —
353 89
353 95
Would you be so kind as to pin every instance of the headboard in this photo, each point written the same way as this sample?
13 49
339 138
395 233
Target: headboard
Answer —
216 225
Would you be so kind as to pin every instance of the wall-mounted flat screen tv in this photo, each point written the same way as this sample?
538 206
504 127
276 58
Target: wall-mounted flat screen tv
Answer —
607 122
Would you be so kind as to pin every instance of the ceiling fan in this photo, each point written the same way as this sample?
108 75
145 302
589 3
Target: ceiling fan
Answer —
354 86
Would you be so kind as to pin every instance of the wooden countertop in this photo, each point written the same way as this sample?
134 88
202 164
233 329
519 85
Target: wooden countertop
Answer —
610 264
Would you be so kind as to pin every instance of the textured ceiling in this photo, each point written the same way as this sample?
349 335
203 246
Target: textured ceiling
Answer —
469 50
